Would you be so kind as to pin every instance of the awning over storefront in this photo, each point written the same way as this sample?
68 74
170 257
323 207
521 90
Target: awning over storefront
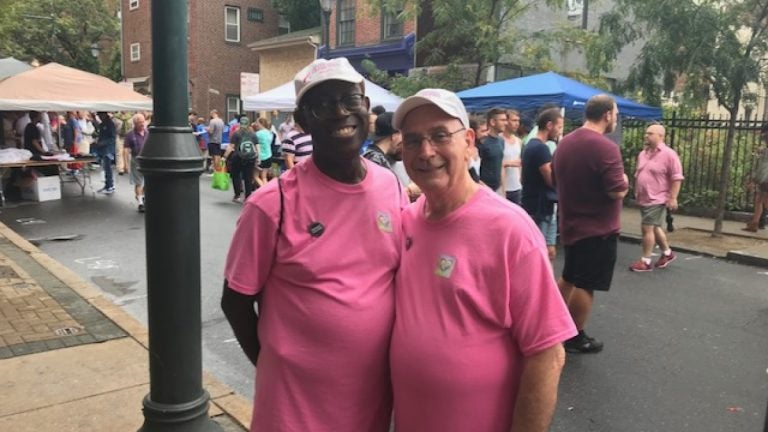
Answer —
396 56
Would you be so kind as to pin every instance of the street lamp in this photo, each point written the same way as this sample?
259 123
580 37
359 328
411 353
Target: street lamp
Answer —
326 6
172 163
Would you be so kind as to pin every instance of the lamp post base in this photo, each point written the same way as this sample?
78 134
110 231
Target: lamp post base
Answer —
186 417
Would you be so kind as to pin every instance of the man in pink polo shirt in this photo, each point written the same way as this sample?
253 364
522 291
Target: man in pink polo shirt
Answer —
658 177
479 322
317 250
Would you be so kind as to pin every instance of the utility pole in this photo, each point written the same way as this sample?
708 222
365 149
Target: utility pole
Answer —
172 163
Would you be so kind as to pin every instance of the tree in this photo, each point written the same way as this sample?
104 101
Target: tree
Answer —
301 14
465 31
449 78
716 45
63 31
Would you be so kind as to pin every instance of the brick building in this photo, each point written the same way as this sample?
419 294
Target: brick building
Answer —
219 32
359 33
281 57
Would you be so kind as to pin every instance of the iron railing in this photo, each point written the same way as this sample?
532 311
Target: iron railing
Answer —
700 143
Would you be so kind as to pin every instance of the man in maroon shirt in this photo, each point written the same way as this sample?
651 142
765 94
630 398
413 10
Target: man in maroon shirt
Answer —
591 183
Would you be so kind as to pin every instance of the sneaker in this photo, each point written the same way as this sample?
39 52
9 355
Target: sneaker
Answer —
107 191
237 199
141 208
664 261
751 227
583 344
641 266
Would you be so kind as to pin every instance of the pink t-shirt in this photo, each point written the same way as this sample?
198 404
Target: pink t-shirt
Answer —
656 170
328 302
474 295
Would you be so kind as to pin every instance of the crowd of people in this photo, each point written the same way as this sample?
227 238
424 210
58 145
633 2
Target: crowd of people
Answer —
82 133
415 284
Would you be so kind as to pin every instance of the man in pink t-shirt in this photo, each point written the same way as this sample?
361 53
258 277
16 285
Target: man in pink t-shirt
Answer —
479 320
658 177
317 250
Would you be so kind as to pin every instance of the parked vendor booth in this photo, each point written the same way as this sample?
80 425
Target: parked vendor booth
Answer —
59 88
532 92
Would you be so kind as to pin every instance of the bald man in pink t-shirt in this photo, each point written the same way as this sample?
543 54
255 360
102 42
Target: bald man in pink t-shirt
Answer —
479 321
658 177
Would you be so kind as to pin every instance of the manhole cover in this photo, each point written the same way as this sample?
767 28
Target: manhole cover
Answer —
66 331
8 272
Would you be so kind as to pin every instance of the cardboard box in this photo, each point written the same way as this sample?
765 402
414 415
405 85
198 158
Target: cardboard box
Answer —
42 189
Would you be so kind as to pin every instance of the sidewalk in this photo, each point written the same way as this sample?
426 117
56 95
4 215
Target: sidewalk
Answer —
694 235
70 360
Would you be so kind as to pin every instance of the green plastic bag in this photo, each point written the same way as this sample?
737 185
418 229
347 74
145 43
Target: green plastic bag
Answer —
220 180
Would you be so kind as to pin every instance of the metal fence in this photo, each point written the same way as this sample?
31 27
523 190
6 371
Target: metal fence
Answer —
700 143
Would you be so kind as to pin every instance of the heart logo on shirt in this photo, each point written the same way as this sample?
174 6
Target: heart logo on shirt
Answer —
384 222
445 266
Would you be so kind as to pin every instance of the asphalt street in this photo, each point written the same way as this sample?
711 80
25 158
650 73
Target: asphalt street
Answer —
685 347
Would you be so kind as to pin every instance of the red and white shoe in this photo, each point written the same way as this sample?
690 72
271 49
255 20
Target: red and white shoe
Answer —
640 266
664 261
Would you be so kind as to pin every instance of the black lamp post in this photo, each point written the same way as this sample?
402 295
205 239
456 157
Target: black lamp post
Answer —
172 163
326 6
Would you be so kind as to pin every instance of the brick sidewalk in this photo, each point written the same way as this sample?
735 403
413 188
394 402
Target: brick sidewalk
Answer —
38 312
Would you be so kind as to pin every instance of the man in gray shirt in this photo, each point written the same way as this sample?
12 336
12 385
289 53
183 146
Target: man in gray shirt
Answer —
215 130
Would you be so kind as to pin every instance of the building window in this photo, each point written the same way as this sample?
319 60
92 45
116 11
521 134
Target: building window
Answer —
255 15
575 8
231 24
135 52
345 23
133 4
283 25
233 106
391 26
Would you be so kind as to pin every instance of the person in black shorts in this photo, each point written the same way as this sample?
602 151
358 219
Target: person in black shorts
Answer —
588 173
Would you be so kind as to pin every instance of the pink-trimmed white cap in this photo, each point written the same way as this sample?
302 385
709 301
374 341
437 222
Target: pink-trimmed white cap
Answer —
446 100
322 70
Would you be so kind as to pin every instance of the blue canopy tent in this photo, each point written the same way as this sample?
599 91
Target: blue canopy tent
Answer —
531 92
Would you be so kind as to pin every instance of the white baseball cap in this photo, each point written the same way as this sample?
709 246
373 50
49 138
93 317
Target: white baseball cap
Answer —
446 100
322 70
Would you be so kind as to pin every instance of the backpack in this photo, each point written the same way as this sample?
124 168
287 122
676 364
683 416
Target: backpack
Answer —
246 148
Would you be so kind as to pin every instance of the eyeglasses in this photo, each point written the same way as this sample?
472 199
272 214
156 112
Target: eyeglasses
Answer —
435 139
325 109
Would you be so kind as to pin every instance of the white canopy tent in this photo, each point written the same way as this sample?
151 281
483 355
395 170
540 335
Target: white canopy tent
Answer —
283 98
56 87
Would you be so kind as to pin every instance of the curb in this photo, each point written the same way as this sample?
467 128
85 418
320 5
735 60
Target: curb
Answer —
745 258
222 398
739 257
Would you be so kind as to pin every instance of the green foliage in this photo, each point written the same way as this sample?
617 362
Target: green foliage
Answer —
113 69
450 78
63 31
301 14
712 44
465 31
